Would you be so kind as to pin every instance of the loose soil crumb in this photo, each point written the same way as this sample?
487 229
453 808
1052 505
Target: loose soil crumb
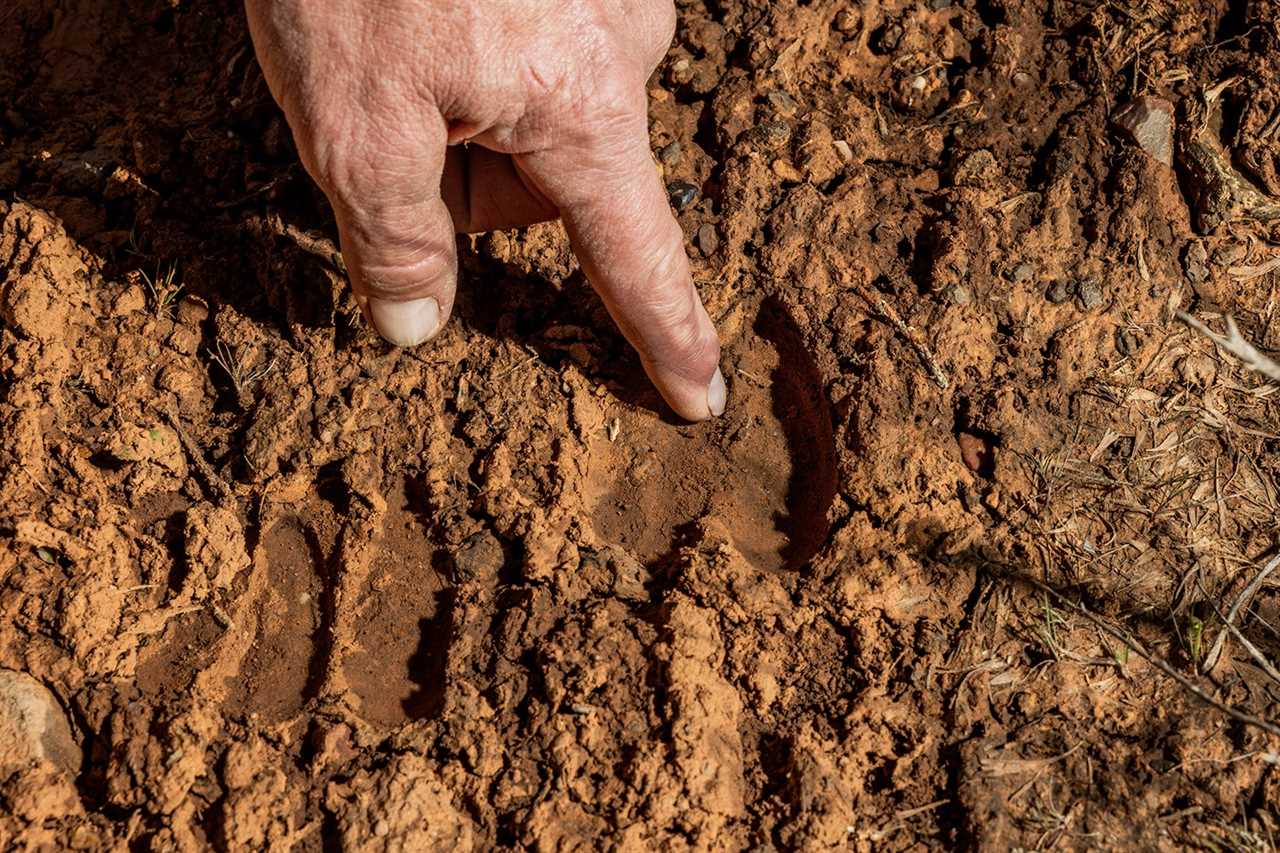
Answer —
293 588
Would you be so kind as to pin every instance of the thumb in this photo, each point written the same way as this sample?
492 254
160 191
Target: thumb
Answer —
398 240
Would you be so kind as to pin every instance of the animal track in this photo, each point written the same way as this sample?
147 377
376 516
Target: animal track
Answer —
396 663
766 471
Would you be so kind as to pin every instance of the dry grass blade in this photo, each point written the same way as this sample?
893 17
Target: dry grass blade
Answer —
242 377
1244 273
1258 657
1141 651
164 289
1234 343
1246 594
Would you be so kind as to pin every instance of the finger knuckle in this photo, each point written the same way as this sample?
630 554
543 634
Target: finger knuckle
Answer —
394 268
688 342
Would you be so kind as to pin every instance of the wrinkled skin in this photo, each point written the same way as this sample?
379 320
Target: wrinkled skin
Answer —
549 96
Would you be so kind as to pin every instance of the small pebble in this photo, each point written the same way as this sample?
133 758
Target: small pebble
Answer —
1058 292
33 725
680 72
890 37
1126 342
1089 291
1195 262
671 154
846 21
1148 122
959 295
1021 273
708 240
783 104
682 194
480 557
772 135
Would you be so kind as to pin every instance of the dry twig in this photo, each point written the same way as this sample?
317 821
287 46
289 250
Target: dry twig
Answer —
215 483
1141 651
1246 595
1234 343
881 306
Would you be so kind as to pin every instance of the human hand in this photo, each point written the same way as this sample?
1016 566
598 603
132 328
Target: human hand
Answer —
551 94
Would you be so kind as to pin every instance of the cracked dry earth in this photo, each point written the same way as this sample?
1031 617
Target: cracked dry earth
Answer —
291 588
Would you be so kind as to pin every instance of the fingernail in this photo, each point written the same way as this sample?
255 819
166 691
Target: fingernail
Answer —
717 394
405 324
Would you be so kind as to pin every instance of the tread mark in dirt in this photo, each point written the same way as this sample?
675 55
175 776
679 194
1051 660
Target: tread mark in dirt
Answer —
269 659
765 472
282 669
402 631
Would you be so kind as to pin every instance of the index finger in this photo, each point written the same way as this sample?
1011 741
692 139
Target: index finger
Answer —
632 251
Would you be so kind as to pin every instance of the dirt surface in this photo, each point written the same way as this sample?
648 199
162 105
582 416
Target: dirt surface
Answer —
294 587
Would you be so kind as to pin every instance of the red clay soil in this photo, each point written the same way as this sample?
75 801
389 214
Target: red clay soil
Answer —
295 587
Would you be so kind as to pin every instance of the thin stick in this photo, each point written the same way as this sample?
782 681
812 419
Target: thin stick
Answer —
1258 656
1138 649
1245 272
319 246
215 483
909 334
1246 594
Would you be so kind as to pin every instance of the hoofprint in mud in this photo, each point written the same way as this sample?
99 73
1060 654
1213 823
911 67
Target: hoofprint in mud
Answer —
287 586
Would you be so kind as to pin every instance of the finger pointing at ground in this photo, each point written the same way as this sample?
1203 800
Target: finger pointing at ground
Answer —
398 238
632 250
375 90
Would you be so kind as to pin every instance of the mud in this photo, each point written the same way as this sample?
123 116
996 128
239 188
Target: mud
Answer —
294 588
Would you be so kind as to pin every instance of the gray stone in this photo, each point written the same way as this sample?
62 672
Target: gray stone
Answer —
479 558
671 154
33 726
682 194
1021 273
771 136
782 103
1058 292
1148 121
1089 292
